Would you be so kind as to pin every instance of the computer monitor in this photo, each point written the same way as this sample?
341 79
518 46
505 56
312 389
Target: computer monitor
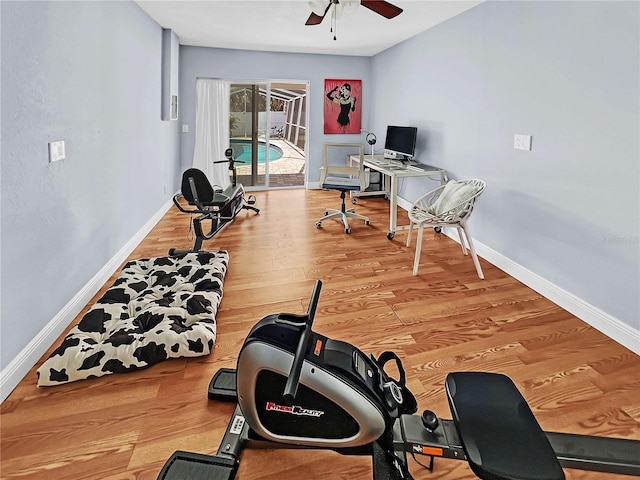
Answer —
400 143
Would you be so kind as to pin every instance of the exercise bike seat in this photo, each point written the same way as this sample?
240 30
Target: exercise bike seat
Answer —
198 192
220 199
501 438
229 193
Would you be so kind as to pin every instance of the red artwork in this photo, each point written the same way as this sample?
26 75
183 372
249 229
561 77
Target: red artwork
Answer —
342 106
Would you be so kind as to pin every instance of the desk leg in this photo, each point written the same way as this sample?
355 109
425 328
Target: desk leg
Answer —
393 206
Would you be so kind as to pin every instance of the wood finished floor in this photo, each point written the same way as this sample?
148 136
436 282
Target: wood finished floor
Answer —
445 319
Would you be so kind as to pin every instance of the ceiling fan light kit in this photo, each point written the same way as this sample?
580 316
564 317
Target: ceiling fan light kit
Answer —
339 8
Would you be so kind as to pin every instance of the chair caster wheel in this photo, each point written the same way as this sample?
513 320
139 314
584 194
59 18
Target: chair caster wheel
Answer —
367 222
354 200
318 224
437 229
390 235
347 230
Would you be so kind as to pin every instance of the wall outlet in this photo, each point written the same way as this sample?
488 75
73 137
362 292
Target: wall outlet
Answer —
56 151
185 128
522 142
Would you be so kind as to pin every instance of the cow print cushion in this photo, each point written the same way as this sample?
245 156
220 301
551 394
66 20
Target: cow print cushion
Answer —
157 308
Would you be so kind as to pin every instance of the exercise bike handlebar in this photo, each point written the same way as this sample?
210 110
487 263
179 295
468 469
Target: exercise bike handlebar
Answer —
291 387
229 161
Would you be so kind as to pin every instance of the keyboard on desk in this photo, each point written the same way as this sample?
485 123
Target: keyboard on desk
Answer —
387 163
416 167
397 165
379 162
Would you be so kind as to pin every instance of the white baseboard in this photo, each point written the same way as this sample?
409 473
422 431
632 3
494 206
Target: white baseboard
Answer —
19 367
612 327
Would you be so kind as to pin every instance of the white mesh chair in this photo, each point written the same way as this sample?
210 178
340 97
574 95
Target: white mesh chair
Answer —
449 205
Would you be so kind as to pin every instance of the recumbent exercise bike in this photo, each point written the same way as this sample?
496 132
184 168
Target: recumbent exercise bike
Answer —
215 205
296 388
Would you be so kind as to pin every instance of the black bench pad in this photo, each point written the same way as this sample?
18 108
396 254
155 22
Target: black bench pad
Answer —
501 437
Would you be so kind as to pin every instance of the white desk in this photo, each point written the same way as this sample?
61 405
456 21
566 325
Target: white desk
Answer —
393 170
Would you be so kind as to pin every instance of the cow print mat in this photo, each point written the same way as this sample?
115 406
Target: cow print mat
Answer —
157 308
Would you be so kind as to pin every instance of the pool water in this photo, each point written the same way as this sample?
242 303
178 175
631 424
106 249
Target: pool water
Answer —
242 151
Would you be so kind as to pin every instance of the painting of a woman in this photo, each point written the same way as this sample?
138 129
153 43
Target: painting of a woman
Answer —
342 111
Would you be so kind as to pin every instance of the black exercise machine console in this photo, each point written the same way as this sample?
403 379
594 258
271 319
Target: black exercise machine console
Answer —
296 388
215 205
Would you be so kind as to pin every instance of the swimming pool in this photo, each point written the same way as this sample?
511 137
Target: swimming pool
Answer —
242 151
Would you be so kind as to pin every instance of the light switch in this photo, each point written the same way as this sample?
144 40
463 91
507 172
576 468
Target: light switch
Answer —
56 151
185 128
522 142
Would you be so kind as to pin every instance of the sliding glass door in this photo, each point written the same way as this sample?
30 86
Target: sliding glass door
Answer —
268 133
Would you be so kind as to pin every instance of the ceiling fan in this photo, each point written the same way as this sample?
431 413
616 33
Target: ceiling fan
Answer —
341 7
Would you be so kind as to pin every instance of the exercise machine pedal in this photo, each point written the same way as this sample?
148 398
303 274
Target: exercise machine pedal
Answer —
196 466
223 385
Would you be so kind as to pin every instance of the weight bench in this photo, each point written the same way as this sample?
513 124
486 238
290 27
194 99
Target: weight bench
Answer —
218 206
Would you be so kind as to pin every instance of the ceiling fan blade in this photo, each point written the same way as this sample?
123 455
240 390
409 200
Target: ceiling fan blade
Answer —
381 7
315 19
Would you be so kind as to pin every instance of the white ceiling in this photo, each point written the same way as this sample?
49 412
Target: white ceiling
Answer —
278 26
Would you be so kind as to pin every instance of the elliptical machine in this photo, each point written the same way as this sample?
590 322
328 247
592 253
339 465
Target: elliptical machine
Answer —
296 388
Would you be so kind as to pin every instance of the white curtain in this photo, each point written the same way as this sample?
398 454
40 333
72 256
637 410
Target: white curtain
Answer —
212 130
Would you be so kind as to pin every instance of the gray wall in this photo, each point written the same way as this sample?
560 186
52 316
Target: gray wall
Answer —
87 73
566 73
248 66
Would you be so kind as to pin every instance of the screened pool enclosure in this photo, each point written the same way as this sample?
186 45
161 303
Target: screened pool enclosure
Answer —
268 131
